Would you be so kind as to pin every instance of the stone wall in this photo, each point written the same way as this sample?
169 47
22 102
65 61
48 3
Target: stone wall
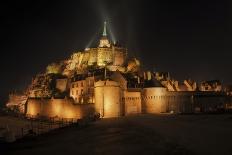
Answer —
104 56
158 100
112 101
153 100
132 102
108 99
179 102
209 101
62 108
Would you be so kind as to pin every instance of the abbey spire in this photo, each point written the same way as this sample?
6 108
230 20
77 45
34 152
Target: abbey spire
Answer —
104 34
104 42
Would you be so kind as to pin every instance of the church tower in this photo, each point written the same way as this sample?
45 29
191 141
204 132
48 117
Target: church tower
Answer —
104 42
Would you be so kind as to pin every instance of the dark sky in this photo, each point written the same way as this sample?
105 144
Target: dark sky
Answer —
190 39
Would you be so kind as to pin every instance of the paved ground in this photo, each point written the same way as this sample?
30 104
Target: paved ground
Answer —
143 134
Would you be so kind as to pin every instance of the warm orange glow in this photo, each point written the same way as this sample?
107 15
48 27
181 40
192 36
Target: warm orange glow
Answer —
61 108
32 110
57 109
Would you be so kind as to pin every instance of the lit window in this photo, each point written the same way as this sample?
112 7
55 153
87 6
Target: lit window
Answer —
76 92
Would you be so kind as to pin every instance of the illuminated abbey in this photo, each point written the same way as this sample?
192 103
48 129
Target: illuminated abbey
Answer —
106 54
104 81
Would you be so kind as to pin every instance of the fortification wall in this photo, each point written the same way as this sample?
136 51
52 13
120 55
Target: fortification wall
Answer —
179 102
207 101
63 108
132 102
158 100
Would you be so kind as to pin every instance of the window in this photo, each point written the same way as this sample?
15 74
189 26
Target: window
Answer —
90 83
72 92
73 85
77 84
81 83
76 92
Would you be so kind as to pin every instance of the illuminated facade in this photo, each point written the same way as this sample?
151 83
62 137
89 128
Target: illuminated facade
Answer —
82 91
106 54
214 85
103 80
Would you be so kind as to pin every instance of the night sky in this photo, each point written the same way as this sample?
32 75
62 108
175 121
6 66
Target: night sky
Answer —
190 39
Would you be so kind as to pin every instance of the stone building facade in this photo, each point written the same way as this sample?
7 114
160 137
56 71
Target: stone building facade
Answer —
113 98
117 94
82 90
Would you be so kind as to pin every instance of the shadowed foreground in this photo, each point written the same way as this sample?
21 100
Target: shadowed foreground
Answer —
143 134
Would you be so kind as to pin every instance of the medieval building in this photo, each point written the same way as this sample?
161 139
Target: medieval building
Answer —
102 80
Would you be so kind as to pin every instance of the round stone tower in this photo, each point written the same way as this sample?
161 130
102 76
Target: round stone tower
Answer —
108 97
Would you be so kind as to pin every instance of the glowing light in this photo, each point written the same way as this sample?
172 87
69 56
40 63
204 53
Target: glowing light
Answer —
57 109
87 49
